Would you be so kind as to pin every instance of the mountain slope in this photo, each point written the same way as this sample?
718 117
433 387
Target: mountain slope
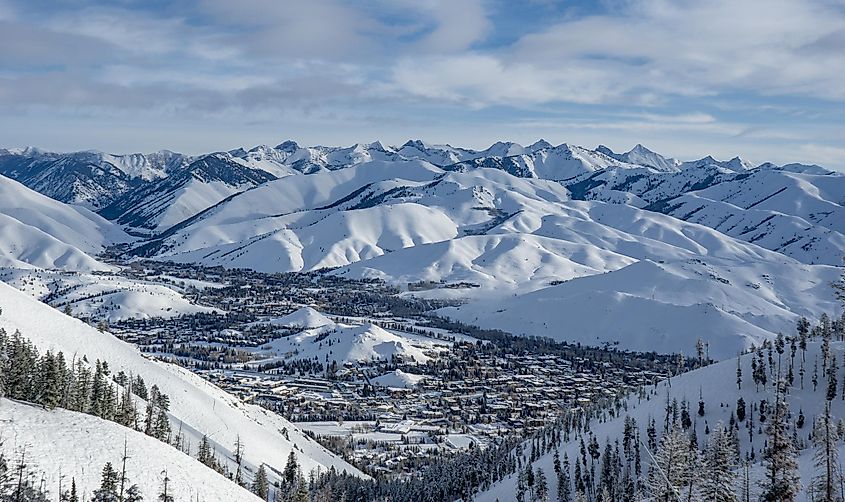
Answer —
37 231
93 179
62 444
200 185
666 306
715 385
195 405
799 215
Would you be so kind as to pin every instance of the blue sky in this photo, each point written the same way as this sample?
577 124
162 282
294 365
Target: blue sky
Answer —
764 79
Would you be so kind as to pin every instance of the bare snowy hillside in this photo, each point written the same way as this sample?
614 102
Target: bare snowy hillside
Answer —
60 446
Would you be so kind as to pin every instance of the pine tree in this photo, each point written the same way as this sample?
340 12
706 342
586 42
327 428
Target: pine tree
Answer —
239 452
133 494
541 486
291 471
825 484
719 462
260 485
564 484
107 492
831 381
669 472
204 453
740 409
164 495
73 495
300 492
782 482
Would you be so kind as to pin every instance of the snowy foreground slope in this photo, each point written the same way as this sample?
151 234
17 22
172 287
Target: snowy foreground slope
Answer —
196 405
70 445
716 384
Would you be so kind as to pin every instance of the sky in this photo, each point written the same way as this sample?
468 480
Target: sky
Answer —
763 79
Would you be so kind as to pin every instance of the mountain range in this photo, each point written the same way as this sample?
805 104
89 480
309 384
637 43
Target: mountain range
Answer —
529 238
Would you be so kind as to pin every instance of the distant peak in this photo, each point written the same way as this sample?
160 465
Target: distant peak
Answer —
540 144
639 148
416 143
605 150
288 146
376 145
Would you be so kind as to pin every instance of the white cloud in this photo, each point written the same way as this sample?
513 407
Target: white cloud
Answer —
652 49
458 24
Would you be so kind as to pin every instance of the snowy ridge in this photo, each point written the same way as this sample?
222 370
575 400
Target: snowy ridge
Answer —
99 297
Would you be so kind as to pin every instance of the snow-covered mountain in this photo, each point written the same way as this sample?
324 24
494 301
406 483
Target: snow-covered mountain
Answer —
509 220
494 235
37 231
90 178
186 192
563 162
641 155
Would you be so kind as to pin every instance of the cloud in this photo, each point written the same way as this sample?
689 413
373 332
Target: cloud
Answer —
480 79
758 75
456 24
647 51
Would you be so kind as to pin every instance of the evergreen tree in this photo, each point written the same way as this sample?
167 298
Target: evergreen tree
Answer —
825 484
670 470
74 497
165 495
239 452
260 485
107 492
782 482
719 462
564 484
300 492
291 472
831 381
541 486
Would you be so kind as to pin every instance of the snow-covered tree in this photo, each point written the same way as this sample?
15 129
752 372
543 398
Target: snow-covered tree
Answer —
782 481
107 492
825 485
670 471
718 476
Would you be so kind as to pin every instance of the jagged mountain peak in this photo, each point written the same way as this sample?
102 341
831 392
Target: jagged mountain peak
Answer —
288 146
540 144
